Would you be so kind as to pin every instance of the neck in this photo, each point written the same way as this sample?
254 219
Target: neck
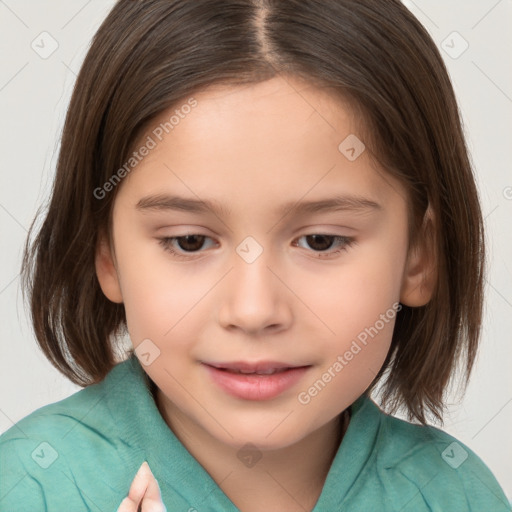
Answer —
290 478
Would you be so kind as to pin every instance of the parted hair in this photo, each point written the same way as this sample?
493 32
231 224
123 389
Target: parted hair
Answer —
148 55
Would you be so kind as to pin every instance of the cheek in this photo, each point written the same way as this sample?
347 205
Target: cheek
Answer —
359 305
351 358
157 294
354 295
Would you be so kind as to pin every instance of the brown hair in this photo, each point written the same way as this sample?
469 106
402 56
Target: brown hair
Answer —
149 55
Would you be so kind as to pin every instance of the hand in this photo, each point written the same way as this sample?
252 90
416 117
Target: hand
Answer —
144 494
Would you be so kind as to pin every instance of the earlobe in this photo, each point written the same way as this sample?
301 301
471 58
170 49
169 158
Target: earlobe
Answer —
107 273
420 273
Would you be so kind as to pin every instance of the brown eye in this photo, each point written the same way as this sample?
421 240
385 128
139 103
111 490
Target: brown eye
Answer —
183 246
190 242
321 243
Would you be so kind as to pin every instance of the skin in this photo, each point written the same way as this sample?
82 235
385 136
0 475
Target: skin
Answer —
253 148
144 493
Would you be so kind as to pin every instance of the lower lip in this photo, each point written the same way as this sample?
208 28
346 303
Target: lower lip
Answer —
256 387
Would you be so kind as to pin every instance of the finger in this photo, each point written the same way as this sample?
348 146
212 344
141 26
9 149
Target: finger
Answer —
137 489
152 489
153 506
140 483
127 505
145 487
152 501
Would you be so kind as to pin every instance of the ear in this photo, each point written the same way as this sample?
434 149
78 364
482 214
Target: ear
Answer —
106 271
420 273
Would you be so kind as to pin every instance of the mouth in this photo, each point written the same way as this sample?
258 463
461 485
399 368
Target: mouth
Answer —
255 381
260 368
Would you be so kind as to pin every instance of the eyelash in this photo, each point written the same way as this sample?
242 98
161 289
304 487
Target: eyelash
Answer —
346 241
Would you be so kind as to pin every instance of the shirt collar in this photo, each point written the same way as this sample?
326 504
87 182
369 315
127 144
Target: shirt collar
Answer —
183 481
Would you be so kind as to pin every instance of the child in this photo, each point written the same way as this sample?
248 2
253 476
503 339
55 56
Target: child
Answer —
260 129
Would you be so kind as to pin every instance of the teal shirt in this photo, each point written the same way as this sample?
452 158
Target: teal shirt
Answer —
82 453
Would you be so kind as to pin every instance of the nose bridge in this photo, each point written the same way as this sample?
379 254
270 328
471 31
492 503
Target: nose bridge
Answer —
253 297
252 275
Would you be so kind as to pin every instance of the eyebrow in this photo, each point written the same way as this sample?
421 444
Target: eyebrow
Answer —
163 202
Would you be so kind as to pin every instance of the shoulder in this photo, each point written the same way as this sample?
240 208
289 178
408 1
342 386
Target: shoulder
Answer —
30 449
57 420
441 471
46 453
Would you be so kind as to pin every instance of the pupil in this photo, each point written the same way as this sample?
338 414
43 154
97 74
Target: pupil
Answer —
323 246
195 242
184 242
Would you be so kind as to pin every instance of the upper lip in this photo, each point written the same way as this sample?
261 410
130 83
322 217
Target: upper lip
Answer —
253 367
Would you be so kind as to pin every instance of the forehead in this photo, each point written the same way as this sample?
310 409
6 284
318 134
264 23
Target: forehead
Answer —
288 104
290 90
275 140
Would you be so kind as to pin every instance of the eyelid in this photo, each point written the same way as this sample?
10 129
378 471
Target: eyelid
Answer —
347 242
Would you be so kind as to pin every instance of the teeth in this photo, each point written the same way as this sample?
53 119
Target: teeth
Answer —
270 371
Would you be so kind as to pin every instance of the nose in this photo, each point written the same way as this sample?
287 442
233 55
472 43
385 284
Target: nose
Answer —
254 299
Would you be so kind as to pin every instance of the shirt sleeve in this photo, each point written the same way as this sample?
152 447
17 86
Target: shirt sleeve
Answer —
19 489
448 477
44 473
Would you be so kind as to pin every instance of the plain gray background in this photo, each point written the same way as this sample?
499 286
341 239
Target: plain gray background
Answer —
475 41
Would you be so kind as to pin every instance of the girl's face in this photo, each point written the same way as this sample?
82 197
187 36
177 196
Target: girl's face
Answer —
254 285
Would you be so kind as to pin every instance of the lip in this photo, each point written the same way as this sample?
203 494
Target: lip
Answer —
254 386
252 367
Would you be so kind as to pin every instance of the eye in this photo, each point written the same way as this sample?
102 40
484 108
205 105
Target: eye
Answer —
188 243
192 243
324 242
